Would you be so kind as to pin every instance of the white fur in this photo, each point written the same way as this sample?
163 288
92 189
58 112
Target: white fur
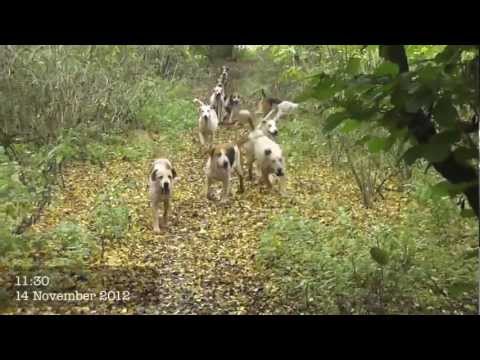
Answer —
267 154
217 93
161 180
234 102
216 171
207 123
268 127
282 109
216 100
224 75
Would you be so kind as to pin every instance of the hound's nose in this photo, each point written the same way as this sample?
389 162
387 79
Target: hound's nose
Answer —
274 133
205 117
279 172
225 164
166 186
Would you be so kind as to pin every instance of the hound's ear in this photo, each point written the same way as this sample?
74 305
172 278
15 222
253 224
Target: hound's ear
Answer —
211 150
153 175
174 173
268 152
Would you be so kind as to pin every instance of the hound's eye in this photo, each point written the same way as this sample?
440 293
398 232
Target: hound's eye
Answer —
218 155
161 177
169 176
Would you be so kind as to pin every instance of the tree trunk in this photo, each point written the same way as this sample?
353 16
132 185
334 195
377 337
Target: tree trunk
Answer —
422 128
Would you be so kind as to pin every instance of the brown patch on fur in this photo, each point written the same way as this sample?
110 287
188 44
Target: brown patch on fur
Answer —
231 155
153 175
265 105
211 150
217 149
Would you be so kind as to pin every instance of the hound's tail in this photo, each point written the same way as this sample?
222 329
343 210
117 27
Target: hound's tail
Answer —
196 101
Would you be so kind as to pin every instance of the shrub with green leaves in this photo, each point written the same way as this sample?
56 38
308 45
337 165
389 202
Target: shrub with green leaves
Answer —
169 116
74 243
394 267
66 245
432 104
112 222
15 197
111 218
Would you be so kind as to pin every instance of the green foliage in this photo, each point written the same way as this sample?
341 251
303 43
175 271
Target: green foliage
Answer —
390 268
170 117
15 197
376 144
60 104
386 69
112 215
68 244
380 256
334 120
74 244
439 83
112 222
64 104
301 140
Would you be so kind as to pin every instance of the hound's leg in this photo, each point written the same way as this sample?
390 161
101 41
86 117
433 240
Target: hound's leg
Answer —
265 179
166 207
220 110
239 171
209 189
155 214
226 189
202 139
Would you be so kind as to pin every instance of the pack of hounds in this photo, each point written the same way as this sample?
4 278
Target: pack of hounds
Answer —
260 148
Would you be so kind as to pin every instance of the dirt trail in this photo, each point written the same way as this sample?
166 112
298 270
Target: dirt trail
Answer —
205 262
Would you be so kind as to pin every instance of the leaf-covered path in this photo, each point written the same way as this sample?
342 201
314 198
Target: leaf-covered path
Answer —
205 262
